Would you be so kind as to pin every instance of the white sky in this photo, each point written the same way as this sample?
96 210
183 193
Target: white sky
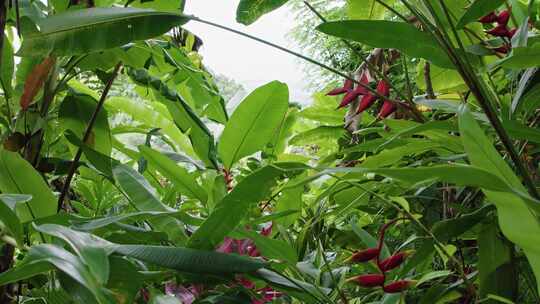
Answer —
250 63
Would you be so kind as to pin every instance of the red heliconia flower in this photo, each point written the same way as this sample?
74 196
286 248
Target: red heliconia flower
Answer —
348 86
358 91
499 31
349 97
394 261
337 91
363 256
489 18
368 280
512 33
387 109
383 88
398 286
367 101
503 17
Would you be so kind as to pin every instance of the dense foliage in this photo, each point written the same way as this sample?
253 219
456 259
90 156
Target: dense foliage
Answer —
125 177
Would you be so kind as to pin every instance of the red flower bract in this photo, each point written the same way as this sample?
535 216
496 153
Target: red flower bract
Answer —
499 31
398 286
489 18
503 17
394 261
368 280
383 88
364 255
387 109
367 101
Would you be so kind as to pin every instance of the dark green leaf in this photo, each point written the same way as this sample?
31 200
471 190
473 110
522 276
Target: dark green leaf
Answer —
390 34
95 29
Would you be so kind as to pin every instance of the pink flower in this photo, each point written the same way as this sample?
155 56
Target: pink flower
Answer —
185 295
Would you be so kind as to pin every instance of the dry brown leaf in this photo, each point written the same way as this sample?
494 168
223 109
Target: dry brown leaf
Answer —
34 81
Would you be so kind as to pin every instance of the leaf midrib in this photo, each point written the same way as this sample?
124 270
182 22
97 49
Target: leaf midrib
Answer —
238 148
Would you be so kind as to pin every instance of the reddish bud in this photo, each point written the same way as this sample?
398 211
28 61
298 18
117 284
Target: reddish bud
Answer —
349 97
348 85
364 255
512 33
499 31
489 18
368 280
394 261
503 17
367 101
383 88
337 91
387 109
398 286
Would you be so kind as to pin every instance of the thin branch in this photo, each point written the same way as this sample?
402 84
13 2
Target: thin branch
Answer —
88 132
286 50
427 79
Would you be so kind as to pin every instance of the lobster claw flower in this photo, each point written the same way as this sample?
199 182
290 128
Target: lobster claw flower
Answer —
398 286
387 109
394 261
489 18
363 256
503 17
367 101
347 87
383 88
499 31
368 280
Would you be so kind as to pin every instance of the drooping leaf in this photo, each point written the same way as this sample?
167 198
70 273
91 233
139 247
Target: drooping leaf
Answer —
249 11
191 260
18 176
390 34
183 116
34 81
179 176
137 188
95 29
253 123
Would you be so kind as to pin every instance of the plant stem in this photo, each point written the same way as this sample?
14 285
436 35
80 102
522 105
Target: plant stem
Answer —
86 136
427 79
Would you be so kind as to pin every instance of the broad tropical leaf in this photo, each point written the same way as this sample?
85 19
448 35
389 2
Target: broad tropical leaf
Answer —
253 123
94 29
